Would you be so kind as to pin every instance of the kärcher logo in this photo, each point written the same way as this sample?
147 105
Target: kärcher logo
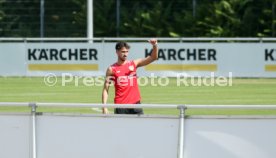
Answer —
270 54
185 54
64 54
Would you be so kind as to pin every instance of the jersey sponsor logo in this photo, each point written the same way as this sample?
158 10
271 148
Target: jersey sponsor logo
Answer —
131 68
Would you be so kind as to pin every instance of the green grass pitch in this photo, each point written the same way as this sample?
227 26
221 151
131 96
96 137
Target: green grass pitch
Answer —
242 91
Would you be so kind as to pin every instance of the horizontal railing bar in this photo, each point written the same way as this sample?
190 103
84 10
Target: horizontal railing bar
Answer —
139 39
108 105
90 105
230 106
14 104
99 105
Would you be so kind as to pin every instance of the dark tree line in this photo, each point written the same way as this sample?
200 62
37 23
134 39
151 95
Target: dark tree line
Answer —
141 18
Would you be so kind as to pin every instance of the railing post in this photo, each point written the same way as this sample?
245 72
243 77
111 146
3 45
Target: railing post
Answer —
180 153
33 128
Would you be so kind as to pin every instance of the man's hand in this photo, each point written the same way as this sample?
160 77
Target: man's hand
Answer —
105 111
153 41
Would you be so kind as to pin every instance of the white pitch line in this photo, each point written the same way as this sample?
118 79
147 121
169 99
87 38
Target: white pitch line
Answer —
96 109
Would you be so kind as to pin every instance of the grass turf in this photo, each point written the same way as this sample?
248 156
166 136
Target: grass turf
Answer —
242 91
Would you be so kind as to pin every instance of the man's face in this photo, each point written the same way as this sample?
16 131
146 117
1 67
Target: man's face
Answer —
122 53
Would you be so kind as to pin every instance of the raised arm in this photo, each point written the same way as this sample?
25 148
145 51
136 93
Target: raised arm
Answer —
106 88
151 58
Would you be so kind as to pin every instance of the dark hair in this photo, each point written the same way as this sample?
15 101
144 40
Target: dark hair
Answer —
120 45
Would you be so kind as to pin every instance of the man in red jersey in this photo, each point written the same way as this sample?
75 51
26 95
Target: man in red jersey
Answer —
123 74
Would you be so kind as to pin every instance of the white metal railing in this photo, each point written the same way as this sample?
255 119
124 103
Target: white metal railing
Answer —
165 106
181 109
106 39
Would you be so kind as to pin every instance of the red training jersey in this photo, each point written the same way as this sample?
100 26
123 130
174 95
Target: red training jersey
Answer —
125 82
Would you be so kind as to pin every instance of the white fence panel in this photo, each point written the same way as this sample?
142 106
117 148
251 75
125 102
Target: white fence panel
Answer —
15 136
230 138
106 137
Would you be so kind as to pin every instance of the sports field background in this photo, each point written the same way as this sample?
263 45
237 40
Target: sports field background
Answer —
245 91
